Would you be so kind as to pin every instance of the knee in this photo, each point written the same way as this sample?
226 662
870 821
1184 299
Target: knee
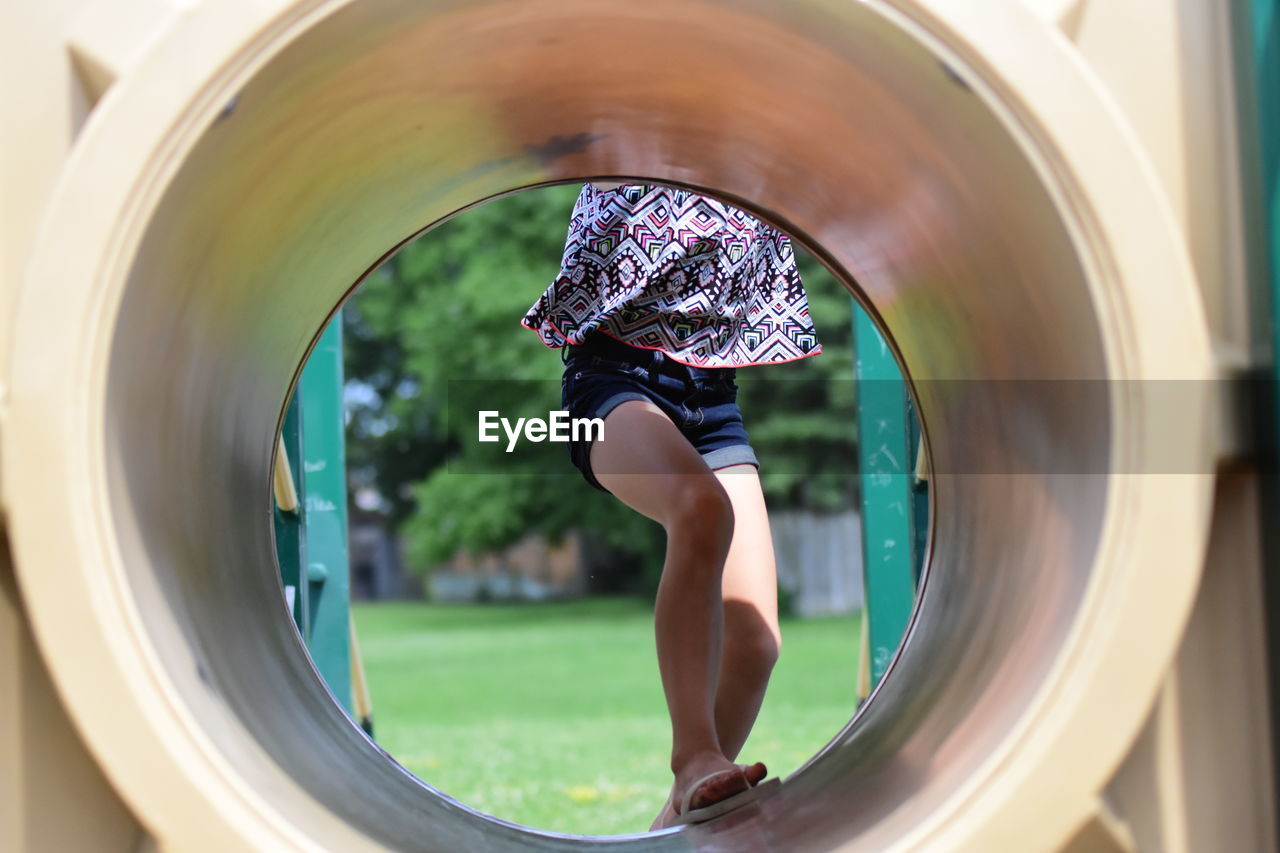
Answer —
753 647
701 513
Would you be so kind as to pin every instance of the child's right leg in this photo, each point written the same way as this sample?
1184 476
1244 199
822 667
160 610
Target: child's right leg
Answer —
646 462
752 639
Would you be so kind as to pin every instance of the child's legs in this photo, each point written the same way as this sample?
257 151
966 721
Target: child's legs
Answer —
679 491
752 639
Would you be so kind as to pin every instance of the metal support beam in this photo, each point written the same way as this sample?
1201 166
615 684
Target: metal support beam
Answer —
887 464
290 520
324 502
311 514
1257 37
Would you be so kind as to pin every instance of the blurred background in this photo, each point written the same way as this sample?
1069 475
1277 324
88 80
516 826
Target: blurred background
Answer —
504 609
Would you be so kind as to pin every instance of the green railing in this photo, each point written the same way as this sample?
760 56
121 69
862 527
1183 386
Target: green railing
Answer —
1257 30
894 501
311 523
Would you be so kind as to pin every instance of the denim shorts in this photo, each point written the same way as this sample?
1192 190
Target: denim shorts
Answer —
602 372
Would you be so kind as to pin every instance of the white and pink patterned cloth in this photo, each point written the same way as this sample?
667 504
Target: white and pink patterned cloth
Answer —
672 270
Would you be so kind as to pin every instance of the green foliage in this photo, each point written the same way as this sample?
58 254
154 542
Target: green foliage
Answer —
434 335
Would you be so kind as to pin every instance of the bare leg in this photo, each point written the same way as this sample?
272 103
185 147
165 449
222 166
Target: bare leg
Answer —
752 639
677 490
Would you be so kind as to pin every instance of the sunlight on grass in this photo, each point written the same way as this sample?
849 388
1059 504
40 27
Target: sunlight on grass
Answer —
552 715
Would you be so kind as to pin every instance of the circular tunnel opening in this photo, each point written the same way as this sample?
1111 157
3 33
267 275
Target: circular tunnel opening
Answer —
515 550
872 133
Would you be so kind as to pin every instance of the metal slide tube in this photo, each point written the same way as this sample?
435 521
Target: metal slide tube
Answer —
951 157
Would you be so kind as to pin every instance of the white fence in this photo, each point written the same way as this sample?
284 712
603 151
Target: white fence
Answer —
819 561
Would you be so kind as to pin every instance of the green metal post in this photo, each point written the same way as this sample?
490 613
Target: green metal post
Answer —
886 458
1257 30
1265 37
324 500
291 532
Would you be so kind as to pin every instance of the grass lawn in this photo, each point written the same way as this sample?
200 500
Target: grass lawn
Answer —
551 715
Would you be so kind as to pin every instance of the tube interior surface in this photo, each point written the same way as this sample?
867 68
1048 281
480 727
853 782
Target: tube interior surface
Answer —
892 162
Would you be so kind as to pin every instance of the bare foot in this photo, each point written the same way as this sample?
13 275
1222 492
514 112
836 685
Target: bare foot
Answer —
755 773
711 792
726 779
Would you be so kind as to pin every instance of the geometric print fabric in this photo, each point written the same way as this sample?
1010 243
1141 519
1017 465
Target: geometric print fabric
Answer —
669 269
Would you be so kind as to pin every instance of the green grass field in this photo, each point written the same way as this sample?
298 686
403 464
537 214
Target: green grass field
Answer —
551 715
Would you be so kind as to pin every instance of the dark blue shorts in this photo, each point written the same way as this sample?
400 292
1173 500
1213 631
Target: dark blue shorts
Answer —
602 373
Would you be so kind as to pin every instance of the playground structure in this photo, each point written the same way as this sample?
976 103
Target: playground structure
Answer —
1050 208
